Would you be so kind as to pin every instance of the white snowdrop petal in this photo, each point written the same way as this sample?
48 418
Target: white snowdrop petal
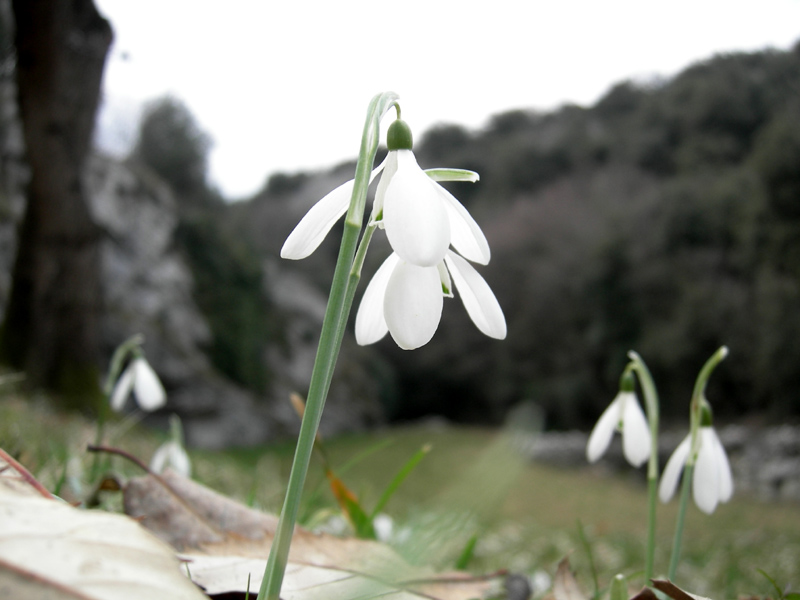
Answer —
603 431
179 460
447 174
389 166
478 298
444 277
317 222
370 322
413 304
160 457
724 466
672 472
122 389
150 394
705 482
635 433
414 216
465 234
171 454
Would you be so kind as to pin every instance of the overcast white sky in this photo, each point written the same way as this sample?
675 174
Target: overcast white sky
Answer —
283 85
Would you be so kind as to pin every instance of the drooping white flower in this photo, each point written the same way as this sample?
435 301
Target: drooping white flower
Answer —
171 454
421 219
712 481
140 378
625 415
406 300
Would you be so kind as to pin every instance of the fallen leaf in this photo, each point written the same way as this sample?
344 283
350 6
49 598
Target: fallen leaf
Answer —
224 543
48 549
645 594
565 586
186 514
673 591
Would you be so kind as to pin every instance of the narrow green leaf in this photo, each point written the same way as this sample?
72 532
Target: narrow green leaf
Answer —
404 472
348 502
778 590
590 555
466 554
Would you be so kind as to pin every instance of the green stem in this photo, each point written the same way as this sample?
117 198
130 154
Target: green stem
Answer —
129 346
652 407
676 543
652 494
698 393
695 410
333 325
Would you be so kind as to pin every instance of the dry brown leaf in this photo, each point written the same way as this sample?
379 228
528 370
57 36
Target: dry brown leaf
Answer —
225 542
645 594
186 514
48 549
565 586
673 591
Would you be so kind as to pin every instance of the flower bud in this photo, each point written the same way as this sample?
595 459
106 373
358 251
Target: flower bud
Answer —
399 136
627 382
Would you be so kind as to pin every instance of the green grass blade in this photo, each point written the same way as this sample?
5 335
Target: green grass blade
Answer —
395 483
466 554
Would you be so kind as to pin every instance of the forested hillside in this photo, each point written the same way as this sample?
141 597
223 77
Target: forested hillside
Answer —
665 219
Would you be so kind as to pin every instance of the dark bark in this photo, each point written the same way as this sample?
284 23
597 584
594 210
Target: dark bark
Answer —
51 328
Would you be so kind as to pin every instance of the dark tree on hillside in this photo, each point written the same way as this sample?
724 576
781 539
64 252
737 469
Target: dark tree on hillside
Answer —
51 324
171 143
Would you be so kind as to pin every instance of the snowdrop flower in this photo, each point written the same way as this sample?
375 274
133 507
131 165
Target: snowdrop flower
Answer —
171 453
421 219
712 481
406 300
140 378
625 415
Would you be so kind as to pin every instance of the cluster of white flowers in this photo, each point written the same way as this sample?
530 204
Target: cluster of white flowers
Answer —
712 481
422 221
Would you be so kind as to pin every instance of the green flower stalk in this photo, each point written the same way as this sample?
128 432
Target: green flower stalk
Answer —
702 458
345 278
422 221
652 408
639 436
138 378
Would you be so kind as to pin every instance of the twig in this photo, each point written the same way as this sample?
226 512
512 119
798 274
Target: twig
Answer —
26 475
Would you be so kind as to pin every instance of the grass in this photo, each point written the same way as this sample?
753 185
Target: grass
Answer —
472 482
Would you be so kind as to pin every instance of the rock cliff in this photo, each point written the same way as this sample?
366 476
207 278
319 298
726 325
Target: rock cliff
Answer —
147 288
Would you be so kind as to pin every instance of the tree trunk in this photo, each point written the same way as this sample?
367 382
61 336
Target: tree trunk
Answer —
51 327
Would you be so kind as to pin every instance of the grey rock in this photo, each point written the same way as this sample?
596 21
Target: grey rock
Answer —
765 460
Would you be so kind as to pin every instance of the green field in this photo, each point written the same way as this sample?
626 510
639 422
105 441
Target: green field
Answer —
472 483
